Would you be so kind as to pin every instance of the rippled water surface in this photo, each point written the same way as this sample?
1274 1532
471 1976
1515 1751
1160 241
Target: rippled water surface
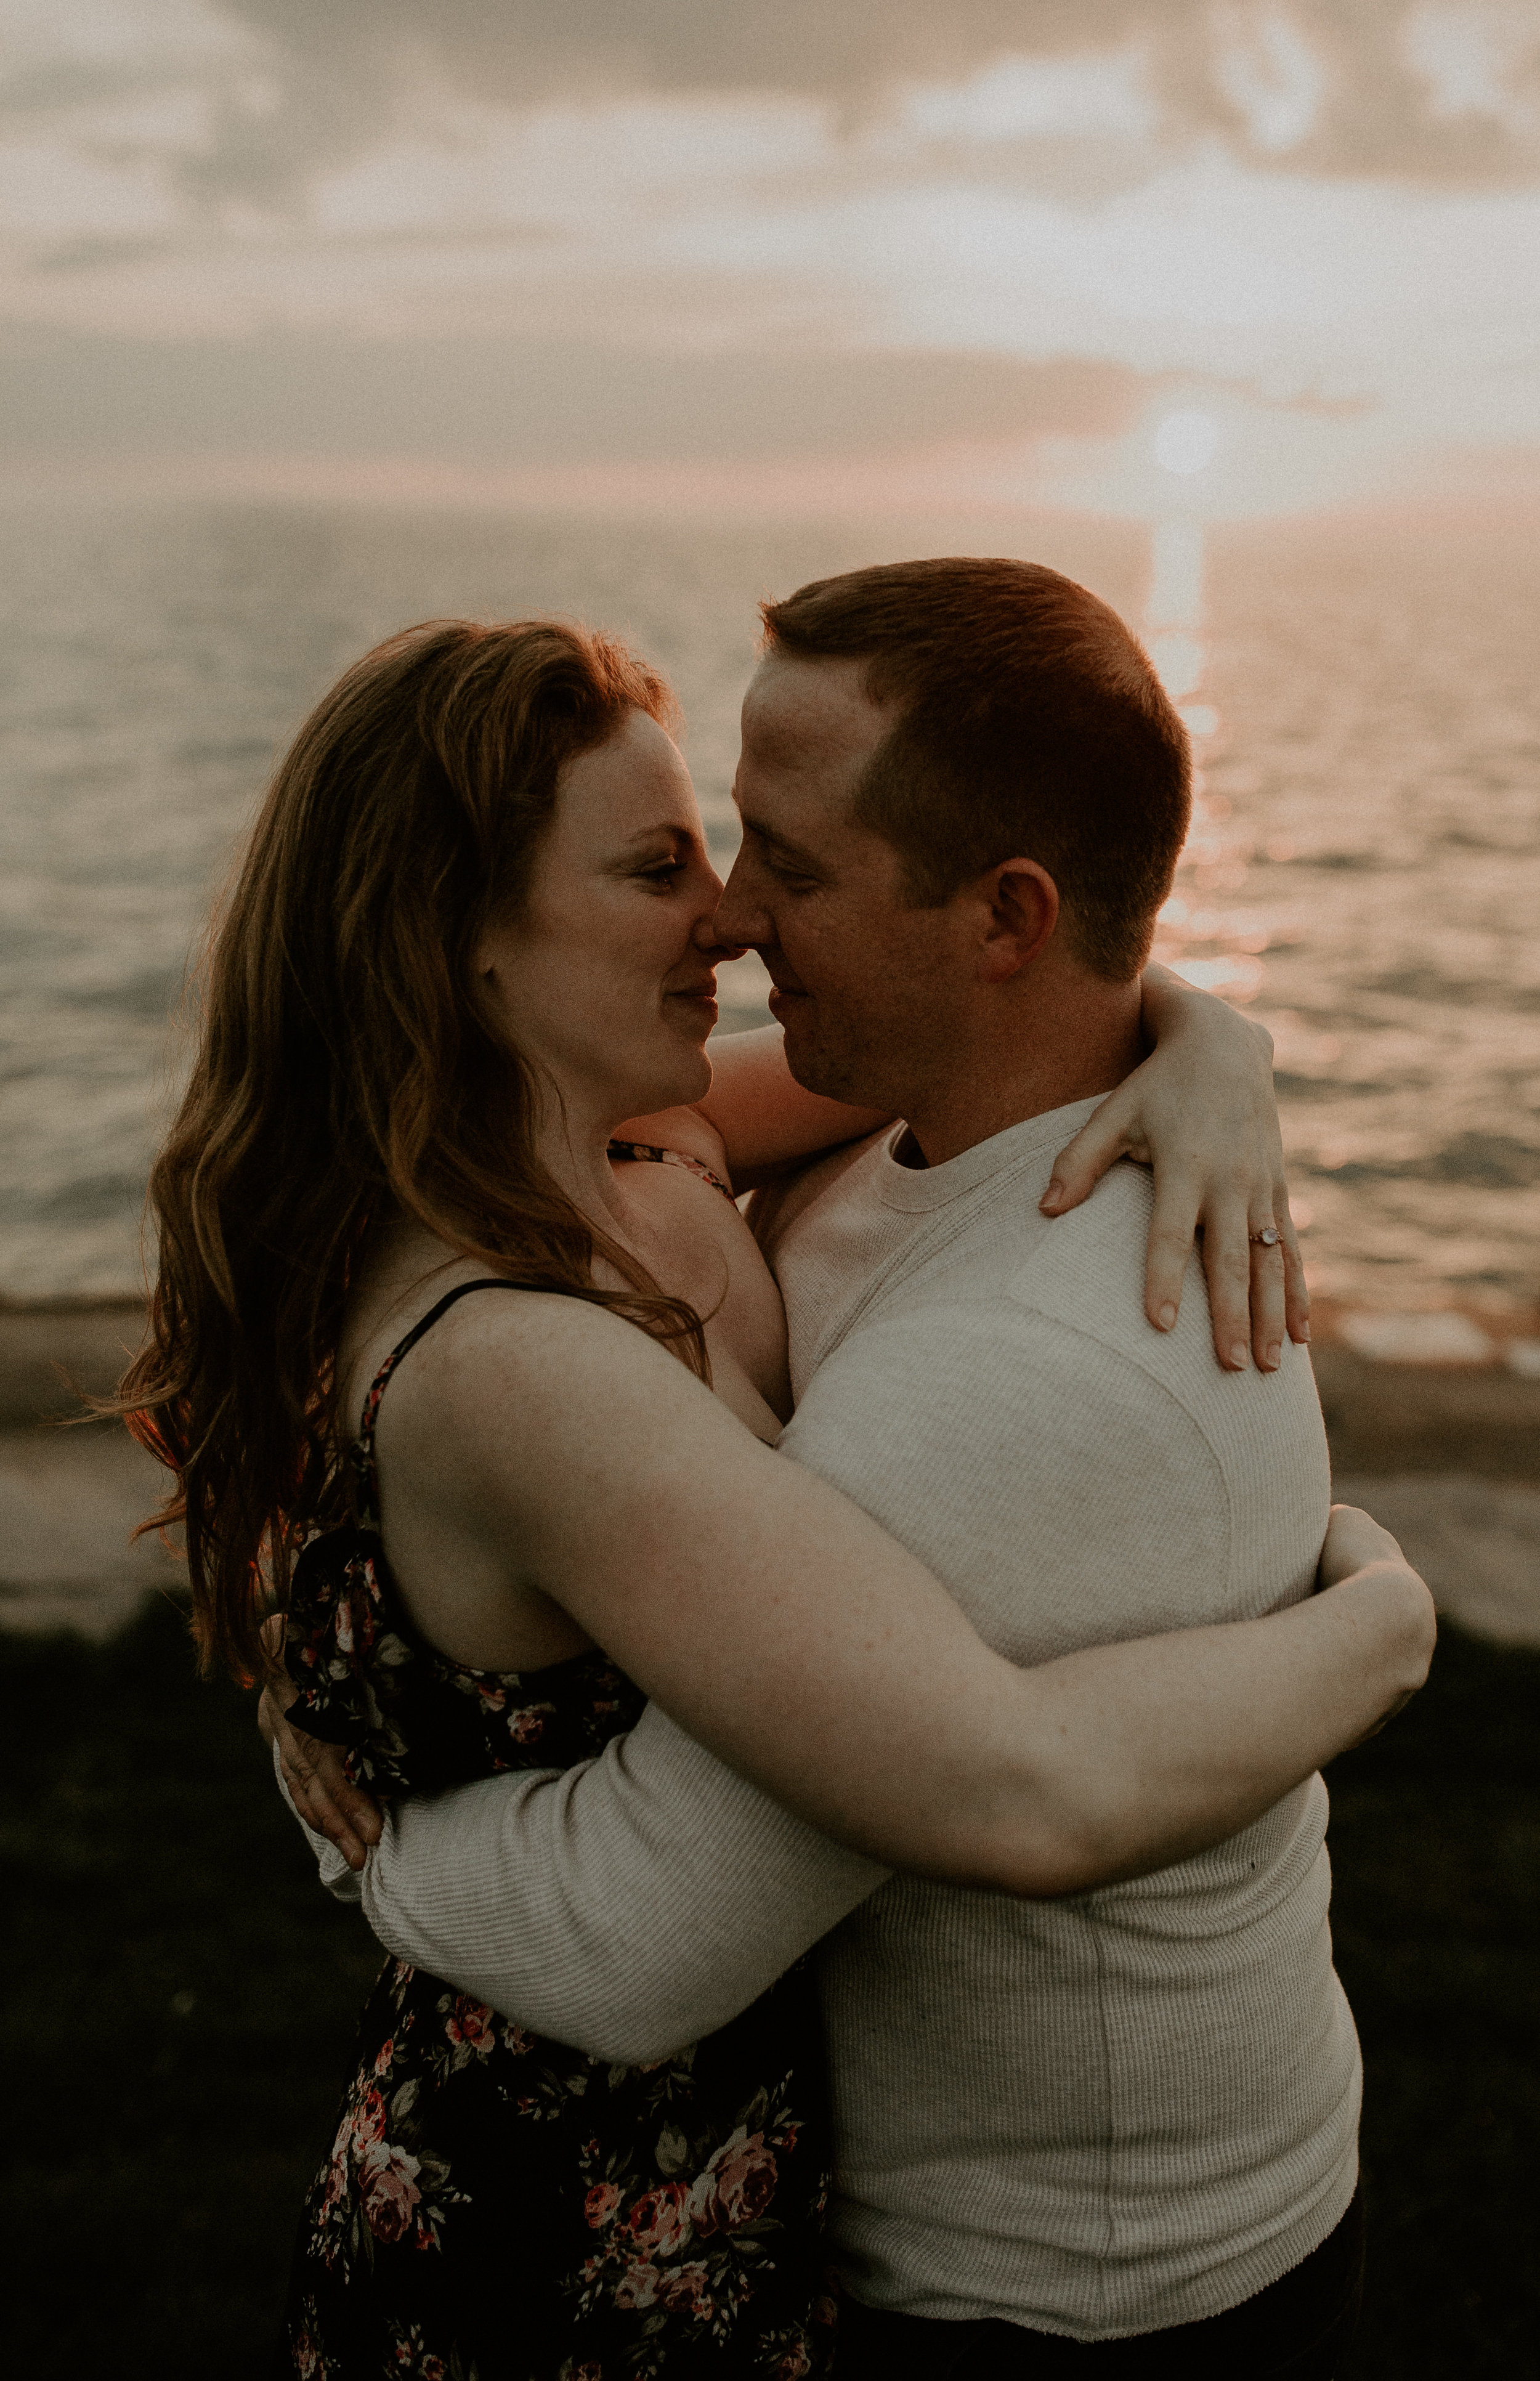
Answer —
1364 869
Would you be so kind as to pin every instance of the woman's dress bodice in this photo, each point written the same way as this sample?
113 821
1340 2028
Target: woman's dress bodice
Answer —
496 2205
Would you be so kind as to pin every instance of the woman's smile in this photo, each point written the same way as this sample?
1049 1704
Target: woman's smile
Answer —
699 995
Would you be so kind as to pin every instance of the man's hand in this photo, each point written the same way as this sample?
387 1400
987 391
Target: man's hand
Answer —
324 1797
1366 1562
1201 1111
1353 1541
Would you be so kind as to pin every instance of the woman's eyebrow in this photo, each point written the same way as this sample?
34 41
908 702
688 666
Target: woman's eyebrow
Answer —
667 831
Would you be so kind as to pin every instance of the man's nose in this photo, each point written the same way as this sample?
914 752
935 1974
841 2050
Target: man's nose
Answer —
739 919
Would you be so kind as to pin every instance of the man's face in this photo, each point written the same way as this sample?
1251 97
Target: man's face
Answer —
866 986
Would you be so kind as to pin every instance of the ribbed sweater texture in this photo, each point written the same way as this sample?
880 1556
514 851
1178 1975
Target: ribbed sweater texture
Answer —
1098 2117
1139 2107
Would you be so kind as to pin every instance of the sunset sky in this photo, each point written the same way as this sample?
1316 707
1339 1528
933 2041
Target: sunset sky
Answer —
822 250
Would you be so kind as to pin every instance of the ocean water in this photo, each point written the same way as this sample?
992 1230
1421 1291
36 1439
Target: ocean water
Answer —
1363 870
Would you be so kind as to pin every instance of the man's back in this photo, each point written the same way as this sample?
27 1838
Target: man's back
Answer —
1139 2107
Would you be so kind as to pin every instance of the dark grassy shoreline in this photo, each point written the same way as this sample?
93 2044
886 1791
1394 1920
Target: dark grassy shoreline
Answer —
180 2009
179 2002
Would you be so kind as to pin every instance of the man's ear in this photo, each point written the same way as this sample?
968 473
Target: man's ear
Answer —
1020 904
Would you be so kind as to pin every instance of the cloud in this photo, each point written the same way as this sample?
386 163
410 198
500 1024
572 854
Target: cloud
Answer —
657 229
269 94
1429 89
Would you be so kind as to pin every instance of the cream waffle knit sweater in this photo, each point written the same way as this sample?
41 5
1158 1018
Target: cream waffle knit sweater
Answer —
1096 2116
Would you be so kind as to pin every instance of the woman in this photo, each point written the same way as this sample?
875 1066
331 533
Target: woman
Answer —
472 938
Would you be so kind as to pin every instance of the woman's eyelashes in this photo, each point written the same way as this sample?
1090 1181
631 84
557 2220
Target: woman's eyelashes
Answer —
666 870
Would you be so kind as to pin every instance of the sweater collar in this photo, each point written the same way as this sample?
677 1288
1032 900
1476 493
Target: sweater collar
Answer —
919 1188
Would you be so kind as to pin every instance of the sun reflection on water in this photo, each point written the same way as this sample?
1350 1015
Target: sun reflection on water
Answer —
1204 939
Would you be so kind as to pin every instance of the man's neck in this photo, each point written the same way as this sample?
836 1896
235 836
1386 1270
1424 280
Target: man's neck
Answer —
1041 1062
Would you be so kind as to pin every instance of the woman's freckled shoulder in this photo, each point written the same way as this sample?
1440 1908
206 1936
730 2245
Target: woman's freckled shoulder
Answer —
500 1338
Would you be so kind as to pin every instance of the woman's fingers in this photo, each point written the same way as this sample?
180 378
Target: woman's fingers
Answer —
1173 1227
1228 1271
1256 1289
1082 1163
324 1796
1354 1540
1249 1292
1268 1301
1296 1296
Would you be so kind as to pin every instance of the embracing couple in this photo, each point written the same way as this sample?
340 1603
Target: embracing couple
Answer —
821 1703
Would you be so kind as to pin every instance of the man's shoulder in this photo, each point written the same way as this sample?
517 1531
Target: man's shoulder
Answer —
1086 1275
1008 1261
1093 1258
1012 1313
773 1210
1067 1298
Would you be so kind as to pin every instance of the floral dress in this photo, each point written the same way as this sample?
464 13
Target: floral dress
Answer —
497 2206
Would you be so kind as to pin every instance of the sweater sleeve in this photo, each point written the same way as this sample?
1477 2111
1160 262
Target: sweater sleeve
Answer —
627 1905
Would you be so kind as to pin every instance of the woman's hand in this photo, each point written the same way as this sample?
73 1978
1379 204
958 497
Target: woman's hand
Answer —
324 1794
1201 1111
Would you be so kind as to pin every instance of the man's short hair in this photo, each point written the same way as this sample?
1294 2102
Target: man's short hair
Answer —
1031 724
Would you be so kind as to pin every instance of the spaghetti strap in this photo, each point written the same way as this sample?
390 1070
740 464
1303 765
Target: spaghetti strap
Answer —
365 1445
647 1152
425 1323
629 1153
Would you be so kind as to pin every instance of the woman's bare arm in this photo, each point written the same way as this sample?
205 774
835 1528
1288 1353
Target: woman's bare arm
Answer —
1201 1112
756 1121
766 1119
784 1631
1144 1753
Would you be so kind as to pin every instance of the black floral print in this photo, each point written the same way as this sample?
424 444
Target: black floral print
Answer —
496 2206
647 1151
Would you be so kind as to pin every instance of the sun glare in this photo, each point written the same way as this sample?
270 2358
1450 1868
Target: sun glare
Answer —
1179 661
1185 441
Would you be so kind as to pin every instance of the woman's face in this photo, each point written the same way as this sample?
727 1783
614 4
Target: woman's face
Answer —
605 976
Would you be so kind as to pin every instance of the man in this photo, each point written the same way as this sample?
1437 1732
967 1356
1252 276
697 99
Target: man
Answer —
1131 2116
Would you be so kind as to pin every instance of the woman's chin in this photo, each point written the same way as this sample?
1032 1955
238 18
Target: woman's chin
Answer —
688 1079
699 1076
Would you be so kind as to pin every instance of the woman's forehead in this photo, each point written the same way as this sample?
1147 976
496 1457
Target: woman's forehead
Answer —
634 782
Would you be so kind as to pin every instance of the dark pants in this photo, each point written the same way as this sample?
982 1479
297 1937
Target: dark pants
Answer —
1299 2329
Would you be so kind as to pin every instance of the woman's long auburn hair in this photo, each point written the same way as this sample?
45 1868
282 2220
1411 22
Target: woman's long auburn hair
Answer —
350 1068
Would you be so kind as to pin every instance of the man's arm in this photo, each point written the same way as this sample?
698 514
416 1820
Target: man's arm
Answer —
757 1122
634 1904
647 1897
628 1906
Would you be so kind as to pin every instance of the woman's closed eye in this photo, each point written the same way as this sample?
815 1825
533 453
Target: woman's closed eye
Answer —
664 873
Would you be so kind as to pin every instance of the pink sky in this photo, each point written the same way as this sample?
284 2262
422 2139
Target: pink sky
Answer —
669 249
